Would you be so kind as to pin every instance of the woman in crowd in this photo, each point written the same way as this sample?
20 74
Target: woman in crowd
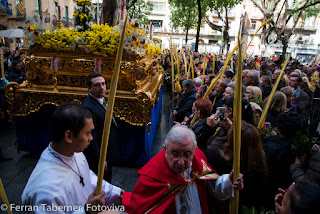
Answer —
222 125
289 92
266 84
253 94
202 110
278 105
253 165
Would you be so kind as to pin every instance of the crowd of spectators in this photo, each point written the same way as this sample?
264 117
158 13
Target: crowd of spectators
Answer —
13 72
268 158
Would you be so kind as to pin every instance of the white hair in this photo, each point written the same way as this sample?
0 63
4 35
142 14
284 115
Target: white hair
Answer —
179 132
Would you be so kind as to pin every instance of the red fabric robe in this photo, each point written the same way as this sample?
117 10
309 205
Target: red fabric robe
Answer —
156 179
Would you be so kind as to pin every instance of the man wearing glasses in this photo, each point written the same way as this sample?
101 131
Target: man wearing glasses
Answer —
177 179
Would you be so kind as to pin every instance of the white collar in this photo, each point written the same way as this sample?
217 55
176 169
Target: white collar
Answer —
100 100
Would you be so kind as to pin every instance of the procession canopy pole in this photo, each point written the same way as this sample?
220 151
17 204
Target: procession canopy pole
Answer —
266 108
213 62
185 65
191 65
4 198
110 105
172 71
204 69
237 110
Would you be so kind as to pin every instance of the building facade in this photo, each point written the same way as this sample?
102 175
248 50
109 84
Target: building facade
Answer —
304 44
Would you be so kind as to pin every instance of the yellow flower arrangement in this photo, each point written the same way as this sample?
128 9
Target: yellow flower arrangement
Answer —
128 32
145 45
137 43
101 40
83 2
139 32
117 33
132 26
32 27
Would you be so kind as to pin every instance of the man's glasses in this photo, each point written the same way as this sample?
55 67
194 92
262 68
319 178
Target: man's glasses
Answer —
187 156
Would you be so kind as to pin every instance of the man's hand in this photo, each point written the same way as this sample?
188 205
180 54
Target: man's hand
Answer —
94 200
238 184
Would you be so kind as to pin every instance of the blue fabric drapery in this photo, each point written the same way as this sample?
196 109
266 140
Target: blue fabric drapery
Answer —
32 134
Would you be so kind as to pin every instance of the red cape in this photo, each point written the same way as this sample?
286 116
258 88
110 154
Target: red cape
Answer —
157 179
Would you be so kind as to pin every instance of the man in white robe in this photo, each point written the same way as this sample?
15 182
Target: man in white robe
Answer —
62 181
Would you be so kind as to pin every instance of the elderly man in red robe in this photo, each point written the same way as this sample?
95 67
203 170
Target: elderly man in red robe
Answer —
176 180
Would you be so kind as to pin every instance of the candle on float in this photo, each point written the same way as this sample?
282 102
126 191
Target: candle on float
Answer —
2 64
151 31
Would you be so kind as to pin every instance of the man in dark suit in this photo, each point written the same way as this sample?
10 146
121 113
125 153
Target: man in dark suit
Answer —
301 99
96 104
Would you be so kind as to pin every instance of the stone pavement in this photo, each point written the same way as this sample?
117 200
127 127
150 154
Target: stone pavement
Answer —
15 173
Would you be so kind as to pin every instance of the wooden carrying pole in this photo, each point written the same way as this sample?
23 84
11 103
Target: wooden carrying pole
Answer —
172 71
109 111
2 65
275 86
4 198
237 111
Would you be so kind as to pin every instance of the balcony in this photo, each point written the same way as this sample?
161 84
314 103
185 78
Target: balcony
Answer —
67 22
64 21
38 15
18 17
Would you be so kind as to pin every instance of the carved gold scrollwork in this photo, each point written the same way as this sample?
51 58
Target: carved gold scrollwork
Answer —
138 88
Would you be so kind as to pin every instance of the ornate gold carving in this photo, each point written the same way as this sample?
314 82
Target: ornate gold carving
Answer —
138 89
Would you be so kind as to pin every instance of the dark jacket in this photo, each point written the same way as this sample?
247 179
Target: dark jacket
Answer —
184 106
202 132
301 101
312 173
266 92
310 94
279 158
92 153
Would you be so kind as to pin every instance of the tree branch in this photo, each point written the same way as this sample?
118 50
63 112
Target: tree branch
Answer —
297 19
276 4
280 11
213 26
260 8
131 4
301 8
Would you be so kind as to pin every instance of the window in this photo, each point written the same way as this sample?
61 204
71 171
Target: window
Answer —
66 14
157 23
38 6
56 9
253 25
159 5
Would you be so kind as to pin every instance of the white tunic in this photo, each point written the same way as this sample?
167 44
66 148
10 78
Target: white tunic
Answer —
221 189
54 184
